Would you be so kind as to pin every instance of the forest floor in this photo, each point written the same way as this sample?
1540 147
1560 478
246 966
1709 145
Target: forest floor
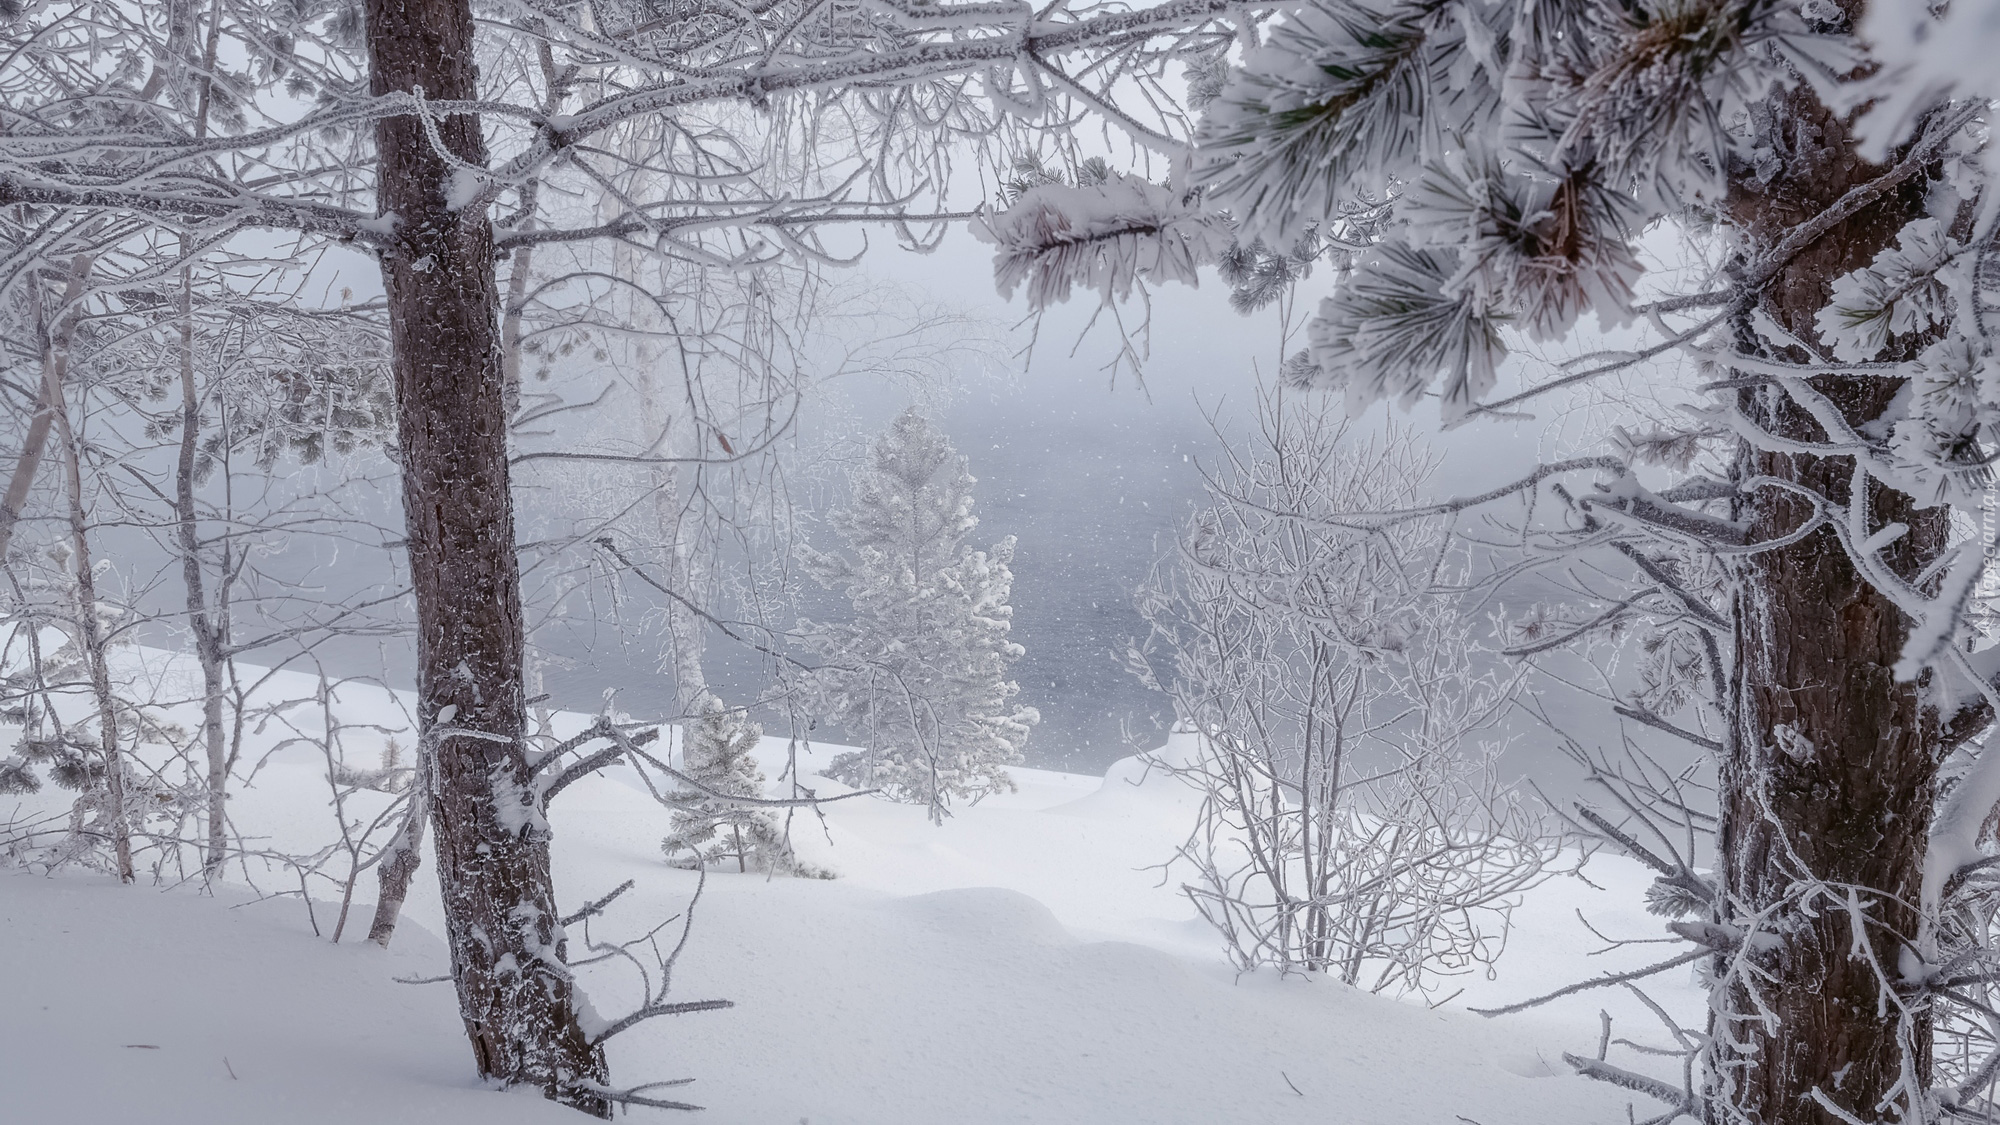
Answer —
1025 962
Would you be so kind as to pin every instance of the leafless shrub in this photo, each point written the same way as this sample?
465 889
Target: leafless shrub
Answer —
1353 820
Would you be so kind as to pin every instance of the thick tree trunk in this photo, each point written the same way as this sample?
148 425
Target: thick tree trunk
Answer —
1833 771
492 843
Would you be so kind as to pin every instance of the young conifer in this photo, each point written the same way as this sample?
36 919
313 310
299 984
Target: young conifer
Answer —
707 832
920 672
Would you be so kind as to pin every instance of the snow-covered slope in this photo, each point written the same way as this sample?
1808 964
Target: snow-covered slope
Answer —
125 1004
1023 963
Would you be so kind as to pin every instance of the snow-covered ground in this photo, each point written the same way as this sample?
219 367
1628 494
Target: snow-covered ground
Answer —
1026 962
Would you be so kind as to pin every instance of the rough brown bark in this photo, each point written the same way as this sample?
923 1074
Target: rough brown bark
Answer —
1833 771
492 844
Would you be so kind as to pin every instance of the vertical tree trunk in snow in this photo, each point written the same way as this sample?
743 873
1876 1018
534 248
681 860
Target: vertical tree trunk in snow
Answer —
402 855
1833 774
90 630
684 629
207 631
210 629
677 528
515 993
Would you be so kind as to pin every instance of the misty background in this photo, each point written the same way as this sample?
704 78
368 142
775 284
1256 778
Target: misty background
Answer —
1091 466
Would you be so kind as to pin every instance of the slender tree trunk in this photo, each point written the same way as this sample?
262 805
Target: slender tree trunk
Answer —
677 527
492 843
405 854
55 365
207 637
685 640
89 628
1833 771
208 632
523 268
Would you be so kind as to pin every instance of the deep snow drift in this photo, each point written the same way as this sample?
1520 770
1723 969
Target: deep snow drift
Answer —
1020 964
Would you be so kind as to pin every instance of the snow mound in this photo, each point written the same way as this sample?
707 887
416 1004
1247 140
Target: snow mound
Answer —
1140 782
129 1004
992 913
976 1007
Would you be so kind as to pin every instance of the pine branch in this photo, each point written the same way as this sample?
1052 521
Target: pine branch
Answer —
1624 840
636 1095
581 769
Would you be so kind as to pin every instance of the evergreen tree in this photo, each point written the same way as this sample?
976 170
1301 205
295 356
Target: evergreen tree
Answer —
921 670
717 753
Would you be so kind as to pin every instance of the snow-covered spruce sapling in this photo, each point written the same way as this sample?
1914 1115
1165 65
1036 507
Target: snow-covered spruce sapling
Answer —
717 751
919 672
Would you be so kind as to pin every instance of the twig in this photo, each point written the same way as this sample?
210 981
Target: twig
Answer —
1657 723
596 906
1599 982
1619 1076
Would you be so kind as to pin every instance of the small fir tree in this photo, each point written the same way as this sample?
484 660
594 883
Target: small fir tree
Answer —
921 671
709 832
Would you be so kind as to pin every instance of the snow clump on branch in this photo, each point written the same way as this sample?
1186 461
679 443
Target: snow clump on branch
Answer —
1108 236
